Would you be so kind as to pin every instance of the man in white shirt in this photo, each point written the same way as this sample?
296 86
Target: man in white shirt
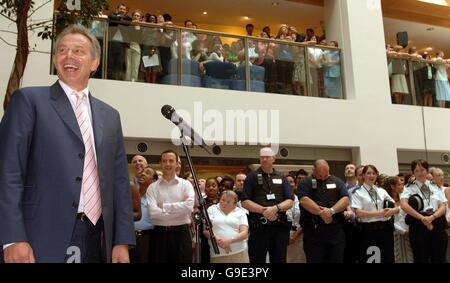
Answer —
171 202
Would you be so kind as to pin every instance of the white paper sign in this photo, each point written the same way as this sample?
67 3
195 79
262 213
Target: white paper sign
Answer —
150 61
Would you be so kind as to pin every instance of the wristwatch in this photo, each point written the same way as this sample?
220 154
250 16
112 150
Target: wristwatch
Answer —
332 211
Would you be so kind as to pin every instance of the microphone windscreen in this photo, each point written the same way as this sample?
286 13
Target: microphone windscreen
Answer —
167 111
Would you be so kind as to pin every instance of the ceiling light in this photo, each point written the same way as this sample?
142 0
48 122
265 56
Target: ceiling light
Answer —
275 3
246 18
205 13
436 2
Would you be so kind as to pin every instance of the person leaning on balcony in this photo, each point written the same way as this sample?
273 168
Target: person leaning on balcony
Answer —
399 86
133 53
267 196
441 81
64 188
117 42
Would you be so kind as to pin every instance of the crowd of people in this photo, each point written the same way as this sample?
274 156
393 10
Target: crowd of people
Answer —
139 52
267 216
430 75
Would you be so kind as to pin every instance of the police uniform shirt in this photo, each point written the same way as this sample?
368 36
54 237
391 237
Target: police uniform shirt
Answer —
306 187
251 184
431 200
361 199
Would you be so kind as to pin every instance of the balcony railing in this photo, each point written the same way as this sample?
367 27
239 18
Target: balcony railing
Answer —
198 58
417 81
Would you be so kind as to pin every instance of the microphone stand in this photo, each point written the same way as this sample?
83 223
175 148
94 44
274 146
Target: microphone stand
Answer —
201 201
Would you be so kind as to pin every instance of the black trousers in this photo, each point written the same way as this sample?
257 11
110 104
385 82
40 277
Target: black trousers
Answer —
324 244
171 244
352 242
116 60
268 238
140 253
428 246
86 245
379 239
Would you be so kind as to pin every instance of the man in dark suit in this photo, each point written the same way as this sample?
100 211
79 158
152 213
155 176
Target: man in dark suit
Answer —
64 189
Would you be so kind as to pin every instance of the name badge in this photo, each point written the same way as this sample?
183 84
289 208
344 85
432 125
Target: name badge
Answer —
331 186
270 196
277 181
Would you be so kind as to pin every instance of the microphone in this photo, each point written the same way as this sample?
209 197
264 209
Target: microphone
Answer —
186 130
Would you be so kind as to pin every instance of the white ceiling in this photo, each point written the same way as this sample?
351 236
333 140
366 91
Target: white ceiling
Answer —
419 36
262 12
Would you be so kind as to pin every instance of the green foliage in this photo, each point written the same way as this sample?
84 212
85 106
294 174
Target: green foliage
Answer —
63 17
10 8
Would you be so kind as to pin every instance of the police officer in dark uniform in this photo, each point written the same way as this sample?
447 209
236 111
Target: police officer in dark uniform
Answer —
323 199
267 196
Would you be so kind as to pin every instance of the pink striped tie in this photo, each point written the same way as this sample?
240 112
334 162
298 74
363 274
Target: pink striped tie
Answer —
90 186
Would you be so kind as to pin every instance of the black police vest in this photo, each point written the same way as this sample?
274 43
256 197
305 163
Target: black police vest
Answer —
322 196
264 186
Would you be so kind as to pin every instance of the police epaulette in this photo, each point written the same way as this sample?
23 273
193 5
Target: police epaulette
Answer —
354 191
409 184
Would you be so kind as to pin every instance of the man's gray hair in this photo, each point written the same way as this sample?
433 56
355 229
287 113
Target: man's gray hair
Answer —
79 29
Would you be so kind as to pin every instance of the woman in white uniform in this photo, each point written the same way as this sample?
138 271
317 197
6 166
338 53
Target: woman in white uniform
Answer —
371 205
427 224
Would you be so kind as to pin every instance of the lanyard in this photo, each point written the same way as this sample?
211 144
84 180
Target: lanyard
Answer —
427 197
374 200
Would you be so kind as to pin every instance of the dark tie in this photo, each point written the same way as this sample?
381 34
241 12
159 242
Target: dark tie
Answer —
425 191
373 193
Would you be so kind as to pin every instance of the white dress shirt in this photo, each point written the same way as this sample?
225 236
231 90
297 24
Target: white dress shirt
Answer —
361 199
177 198
430 202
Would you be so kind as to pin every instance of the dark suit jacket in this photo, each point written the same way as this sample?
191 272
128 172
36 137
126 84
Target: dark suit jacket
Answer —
41 158
122 23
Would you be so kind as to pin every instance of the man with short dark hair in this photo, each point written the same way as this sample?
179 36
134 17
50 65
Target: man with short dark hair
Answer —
118 36
249 28
171 202
188 24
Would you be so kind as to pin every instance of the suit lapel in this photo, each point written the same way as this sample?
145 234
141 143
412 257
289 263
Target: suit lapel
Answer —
98 120
64 109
